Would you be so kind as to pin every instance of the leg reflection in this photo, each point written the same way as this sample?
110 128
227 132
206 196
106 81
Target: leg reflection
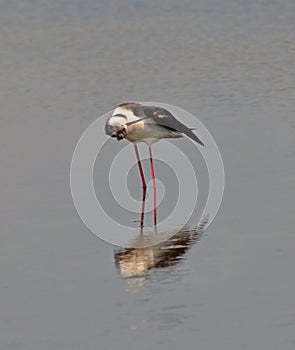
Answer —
142 210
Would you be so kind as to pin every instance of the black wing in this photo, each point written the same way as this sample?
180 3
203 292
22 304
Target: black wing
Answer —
163 117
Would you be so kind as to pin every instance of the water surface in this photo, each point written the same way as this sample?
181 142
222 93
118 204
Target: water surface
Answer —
63 64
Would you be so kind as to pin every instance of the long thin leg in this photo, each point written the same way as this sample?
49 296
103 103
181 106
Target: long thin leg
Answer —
140 166
154 185
143 187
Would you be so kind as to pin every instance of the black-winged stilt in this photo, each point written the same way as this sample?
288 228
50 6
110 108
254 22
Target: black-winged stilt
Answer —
148 124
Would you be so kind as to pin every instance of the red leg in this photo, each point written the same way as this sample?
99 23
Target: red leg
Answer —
154 185
140 166
143 186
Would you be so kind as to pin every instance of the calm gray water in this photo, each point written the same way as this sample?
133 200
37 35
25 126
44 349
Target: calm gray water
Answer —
64 63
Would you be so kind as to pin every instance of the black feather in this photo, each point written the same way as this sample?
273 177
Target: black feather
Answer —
164 118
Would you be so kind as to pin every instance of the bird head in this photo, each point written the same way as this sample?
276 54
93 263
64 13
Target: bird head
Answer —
115 127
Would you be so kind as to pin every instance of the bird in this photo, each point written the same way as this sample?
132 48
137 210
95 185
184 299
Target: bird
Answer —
138 123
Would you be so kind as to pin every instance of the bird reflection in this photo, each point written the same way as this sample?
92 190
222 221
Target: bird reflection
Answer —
139 262
152 250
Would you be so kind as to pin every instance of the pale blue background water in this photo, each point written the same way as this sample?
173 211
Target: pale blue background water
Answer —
63 63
